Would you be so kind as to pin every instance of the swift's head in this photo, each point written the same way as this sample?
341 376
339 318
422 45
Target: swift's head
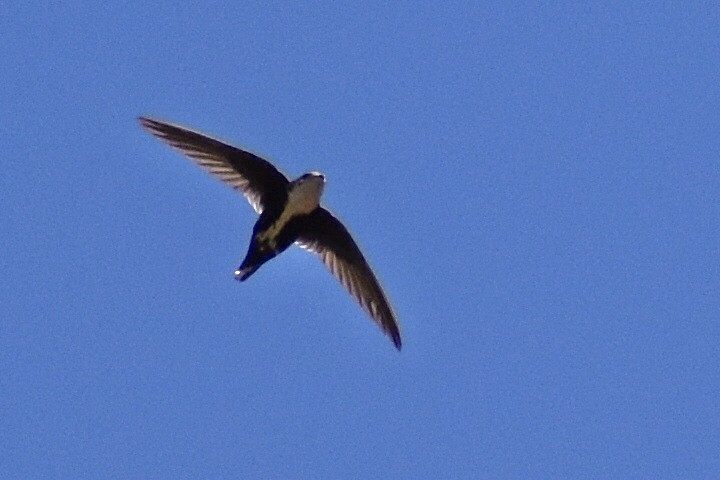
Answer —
305 192
315 178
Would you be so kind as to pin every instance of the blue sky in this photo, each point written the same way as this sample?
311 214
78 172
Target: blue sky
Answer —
536 186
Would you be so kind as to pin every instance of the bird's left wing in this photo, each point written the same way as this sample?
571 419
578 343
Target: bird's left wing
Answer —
325 235
256 178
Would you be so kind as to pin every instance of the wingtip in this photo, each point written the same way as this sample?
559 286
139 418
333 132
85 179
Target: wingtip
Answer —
145 121
398 343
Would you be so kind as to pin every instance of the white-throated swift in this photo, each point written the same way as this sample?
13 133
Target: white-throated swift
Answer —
290 212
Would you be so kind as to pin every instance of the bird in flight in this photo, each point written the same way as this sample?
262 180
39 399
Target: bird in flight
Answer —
290 212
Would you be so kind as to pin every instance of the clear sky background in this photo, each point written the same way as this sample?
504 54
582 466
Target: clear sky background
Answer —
537 187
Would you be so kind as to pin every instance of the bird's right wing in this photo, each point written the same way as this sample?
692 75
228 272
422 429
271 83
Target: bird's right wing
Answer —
253 176
325 235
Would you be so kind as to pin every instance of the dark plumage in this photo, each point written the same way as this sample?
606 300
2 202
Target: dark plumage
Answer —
289 213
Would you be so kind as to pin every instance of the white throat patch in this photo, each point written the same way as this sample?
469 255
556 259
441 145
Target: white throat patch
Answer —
303 197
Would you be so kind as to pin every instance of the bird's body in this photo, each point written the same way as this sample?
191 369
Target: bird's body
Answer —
278 228
290 212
